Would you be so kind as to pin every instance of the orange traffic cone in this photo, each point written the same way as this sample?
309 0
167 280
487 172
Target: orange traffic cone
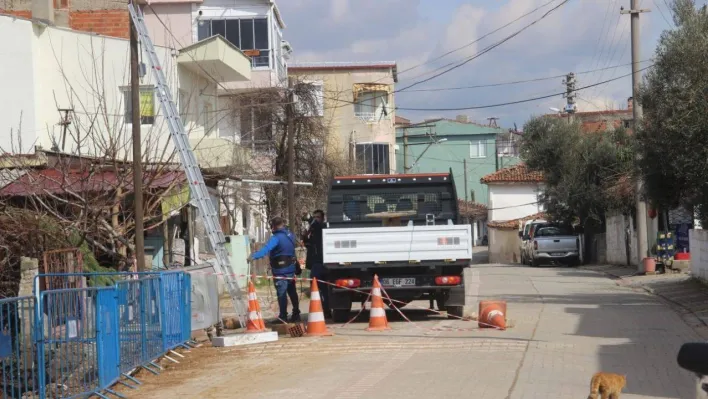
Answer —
377 316
255 322
315 319
492 314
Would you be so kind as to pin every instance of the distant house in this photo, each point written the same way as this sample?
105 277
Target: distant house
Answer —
441 144
596 121
512 198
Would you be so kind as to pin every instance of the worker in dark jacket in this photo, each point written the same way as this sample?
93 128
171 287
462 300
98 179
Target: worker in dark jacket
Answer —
314 262
281 250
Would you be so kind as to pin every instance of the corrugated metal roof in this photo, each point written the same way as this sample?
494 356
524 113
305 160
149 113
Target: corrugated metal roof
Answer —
53 181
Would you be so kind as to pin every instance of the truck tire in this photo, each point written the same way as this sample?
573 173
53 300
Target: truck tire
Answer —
535 263
340 315
455 312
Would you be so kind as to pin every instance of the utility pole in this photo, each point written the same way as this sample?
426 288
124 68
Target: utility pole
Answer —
65 122
137 152
291 157
642 236
467 204
405 150
569 95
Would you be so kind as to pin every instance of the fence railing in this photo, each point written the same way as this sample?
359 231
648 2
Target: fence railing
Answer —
70 341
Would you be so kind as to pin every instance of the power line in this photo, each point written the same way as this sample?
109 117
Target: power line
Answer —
487 49
472 42
519 101
518 81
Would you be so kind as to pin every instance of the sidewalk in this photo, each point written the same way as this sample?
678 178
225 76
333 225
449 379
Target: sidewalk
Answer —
687 295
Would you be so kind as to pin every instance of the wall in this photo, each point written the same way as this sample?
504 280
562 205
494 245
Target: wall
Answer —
59 68
615 240
504 246
105 17
177 19
513 201
339 110
699 253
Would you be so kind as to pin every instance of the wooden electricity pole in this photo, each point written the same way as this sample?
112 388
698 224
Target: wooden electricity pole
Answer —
137 152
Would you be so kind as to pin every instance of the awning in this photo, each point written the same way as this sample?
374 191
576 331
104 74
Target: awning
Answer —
216 59
368 87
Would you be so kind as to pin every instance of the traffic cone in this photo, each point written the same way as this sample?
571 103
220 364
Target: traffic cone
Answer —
315 319
255 322
377 315
492 314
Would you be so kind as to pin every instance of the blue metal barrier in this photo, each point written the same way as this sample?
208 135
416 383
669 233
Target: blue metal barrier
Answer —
18 371
86 338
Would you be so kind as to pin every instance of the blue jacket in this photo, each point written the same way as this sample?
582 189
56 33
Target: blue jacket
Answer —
282 242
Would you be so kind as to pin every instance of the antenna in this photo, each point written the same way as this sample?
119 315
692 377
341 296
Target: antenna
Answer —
492 121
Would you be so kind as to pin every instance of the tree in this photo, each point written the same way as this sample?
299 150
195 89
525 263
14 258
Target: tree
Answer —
585 173
671 140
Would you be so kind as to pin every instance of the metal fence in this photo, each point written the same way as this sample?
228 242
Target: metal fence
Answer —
75 340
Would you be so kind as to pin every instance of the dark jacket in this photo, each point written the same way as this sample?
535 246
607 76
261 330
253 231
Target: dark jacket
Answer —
313 242
281 243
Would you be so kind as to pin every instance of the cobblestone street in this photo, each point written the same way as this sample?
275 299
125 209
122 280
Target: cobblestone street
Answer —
567 324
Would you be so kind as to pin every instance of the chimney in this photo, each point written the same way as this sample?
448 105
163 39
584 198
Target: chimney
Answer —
43 10
462 118
630 103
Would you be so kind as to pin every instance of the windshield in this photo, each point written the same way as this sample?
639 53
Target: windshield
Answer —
553 230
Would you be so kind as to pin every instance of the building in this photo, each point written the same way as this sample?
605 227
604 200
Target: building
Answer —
358 105
512 199
595 121
439 145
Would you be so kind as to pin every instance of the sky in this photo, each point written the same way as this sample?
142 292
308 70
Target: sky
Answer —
580 36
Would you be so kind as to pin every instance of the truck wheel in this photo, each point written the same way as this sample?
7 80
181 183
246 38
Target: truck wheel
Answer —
341 315
455 312
535 263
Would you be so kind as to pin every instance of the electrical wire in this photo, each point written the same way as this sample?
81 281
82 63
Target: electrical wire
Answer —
516 102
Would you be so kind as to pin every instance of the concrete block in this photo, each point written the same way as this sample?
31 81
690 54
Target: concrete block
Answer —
244 339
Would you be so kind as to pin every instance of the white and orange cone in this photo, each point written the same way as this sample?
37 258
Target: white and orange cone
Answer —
377 316
255 323
492 314
315 318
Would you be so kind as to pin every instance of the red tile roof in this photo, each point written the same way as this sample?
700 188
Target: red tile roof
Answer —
513 174
54 181
514 223
471 209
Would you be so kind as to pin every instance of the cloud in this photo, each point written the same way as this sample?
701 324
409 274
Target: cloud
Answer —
579 36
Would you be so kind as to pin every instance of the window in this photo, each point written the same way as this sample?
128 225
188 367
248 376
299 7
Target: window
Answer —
627 123
183 104
147 105
249 35
373 158
256 125
209 120
372 106
478 149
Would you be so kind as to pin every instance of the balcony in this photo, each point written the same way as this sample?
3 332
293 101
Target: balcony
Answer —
215 58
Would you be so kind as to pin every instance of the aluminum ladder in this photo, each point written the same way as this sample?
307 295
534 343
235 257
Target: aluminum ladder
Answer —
197 187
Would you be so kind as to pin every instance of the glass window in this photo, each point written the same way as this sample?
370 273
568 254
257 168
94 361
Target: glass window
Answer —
373 158
147 105
203 29
372 105
232 32
260 30
478 149
218 28
247 34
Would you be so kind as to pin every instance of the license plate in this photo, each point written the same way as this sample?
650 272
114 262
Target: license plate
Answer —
557 253
398 282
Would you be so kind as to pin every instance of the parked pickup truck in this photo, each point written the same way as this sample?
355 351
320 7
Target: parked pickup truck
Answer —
525 246
403 228
554 243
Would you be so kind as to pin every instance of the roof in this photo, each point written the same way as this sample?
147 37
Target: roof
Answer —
54 181
514 223
471 209
344 66
519 173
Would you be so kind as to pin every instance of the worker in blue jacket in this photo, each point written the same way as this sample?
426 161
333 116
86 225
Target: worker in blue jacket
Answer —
283 262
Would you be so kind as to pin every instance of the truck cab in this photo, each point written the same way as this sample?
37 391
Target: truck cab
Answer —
403 228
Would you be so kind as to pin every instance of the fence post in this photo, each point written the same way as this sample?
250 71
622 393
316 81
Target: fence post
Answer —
186 307
163 311
143 321
39 339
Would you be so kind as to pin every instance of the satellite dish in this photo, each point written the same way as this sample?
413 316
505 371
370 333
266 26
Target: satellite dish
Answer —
554 109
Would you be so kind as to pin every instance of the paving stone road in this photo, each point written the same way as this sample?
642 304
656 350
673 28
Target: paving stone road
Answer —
568 324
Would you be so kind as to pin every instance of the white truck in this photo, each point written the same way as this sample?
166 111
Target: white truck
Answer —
403 228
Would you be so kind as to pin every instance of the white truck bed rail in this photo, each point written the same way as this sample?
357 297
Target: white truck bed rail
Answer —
391 244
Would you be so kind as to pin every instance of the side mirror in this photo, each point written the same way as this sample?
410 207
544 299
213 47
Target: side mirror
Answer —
693 356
